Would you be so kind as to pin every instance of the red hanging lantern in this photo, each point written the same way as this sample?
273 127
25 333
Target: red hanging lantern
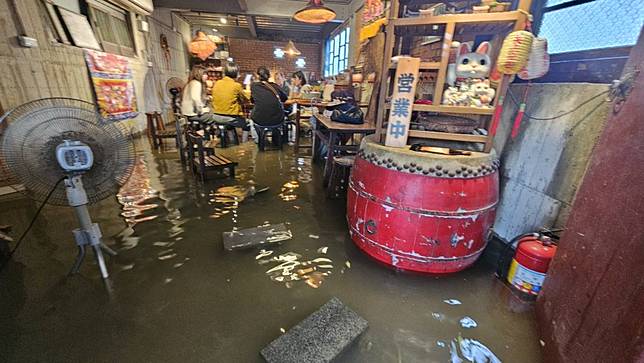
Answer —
201 46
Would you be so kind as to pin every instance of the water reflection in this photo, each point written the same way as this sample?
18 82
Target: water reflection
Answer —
136 195
288 191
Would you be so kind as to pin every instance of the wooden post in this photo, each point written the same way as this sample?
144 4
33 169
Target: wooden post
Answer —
390 37
402 101
448 37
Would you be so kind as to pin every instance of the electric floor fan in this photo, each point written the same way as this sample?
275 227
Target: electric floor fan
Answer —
64 153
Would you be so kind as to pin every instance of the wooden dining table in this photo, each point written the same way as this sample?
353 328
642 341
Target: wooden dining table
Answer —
331 134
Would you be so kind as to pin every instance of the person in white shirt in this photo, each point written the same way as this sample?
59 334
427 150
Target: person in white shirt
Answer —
192 98
298 85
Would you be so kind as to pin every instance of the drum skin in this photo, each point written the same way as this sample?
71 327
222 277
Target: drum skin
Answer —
420 211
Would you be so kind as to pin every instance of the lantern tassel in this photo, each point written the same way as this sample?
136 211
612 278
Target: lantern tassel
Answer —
497 116
517 120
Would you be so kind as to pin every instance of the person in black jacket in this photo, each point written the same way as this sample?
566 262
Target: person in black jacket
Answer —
267 98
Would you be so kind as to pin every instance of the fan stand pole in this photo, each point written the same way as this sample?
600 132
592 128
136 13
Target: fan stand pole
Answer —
89 233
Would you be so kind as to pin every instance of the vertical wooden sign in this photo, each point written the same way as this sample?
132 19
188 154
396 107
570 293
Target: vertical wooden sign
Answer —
402 101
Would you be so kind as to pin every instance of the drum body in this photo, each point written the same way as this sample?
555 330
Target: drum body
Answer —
419 211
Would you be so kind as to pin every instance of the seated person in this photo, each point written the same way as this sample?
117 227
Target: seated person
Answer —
298 85
227 99
192 105
267 98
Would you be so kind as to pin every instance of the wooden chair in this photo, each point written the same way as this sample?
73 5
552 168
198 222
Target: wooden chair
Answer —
339 178
156 129
201 162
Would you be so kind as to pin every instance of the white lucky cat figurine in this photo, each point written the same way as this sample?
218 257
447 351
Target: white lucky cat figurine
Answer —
470 64
481 93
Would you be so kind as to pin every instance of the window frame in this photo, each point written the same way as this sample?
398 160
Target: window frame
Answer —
117 13
336 51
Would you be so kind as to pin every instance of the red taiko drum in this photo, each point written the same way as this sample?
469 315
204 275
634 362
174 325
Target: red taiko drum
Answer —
420 211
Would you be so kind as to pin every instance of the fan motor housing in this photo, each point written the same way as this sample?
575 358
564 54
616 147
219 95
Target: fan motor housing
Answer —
74 156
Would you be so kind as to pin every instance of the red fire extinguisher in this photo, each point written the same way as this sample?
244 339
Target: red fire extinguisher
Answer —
530 263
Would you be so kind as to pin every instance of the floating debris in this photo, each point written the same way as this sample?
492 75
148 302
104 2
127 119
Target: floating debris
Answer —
297 207
167 257
167 280
283 330
314 236
438 316
472 350
440 343
323 250
163 244
255 236
467 322
322 259
452 302
543 344
348 264
177 265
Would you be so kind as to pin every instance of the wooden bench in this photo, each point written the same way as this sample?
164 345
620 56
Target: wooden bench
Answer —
157 130
201 161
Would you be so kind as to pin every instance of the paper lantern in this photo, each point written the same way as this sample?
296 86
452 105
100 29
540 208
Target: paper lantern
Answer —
514 52
201 46
538 61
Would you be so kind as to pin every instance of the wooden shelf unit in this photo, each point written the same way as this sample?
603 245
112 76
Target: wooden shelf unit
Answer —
461 110
519 17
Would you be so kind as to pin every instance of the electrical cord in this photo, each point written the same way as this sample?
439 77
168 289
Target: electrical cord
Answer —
516 102
31 224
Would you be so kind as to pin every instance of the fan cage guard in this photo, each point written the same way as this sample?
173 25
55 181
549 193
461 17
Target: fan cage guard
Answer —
32 132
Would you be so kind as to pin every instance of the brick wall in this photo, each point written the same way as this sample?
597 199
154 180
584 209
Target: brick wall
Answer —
252 53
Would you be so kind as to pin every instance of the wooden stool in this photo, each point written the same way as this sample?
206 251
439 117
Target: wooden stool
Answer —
339 177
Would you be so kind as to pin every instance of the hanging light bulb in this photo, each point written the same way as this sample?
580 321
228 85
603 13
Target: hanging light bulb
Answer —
291 50
315 13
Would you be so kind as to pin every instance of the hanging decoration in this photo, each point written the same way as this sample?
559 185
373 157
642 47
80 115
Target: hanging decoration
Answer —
514 52
291 49
201 46
113 84
165 48
538 60
314 13
372 10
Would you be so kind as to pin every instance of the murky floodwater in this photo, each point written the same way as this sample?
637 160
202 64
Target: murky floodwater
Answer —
176 295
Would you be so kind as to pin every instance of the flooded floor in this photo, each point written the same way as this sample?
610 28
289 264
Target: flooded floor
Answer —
176 295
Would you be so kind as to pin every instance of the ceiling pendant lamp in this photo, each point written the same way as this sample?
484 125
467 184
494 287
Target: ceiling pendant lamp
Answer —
315 13
291 50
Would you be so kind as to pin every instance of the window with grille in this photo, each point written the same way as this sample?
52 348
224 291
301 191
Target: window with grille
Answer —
579 25
336 53
112 27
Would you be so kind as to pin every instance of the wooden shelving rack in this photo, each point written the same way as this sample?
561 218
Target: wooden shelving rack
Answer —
519 17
